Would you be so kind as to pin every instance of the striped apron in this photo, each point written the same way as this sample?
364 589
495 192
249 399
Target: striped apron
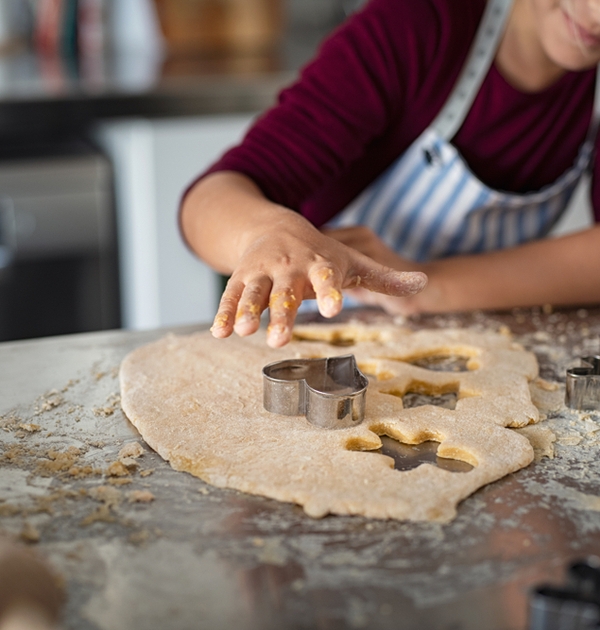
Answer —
428 204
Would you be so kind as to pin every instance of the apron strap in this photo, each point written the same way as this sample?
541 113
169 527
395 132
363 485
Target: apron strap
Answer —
479 60
596 114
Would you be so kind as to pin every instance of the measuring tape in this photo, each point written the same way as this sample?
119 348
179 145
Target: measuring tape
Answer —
479 60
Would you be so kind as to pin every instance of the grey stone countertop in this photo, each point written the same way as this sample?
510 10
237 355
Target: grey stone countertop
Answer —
144 547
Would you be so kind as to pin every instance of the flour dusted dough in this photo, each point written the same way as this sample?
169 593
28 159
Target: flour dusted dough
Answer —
198 402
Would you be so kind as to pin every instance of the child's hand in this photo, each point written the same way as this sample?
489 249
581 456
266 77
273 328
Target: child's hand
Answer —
291 261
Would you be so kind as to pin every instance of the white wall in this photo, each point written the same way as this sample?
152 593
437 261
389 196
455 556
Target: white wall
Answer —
162 283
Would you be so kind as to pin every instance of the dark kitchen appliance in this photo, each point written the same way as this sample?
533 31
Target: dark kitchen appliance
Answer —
58 254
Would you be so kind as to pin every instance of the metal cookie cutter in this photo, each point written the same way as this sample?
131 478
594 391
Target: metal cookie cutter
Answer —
583 385
330 392
574 606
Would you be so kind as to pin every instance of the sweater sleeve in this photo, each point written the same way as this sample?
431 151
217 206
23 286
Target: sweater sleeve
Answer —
343 100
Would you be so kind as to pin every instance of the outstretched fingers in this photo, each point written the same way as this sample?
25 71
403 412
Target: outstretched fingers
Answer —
244 300
240 307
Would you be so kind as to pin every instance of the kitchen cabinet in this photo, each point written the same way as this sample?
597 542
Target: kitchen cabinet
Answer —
162 283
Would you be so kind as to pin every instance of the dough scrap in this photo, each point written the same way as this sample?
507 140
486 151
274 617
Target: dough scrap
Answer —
542 440
197 401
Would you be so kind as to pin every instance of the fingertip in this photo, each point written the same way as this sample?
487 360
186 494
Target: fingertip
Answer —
246 324
278 335
221 327
220 332
244 329
416 280
402 283
331 303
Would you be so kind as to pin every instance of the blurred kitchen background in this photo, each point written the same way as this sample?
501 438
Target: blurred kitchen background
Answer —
108 108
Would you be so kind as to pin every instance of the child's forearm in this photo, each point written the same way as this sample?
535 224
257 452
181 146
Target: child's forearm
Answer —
561 271
218 214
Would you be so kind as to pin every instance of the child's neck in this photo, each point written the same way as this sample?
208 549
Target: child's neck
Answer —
521 58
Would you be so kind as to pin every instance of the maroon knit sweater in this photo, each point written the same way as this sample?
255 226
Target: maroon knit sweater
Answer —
377 83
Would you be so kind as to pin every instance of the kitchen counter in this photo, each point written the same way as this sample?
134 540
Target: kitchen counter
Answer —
201 557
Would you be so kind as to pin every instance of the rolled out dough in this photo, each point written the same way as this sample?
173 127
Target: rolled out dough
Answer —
198 402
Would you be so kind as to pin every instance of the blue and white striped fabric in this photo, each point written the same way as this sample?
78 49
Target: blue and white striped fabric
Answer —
428 204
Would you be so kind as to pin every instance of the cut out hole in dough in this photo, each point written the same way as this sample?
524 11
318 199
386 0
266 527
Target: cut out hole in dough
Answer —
416 399
443 363
409 456
419 394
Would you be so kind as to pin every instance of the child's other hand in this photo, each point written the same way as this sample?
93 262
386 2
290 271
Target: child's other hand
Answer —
291 261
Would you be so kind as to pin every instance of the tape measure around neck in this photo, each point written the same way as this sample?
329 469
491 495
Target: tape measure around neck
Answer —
480 57
479 60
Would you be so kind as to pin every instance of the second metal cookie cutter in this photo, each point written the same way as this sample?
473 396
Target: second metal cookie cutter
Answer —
583 385
330 392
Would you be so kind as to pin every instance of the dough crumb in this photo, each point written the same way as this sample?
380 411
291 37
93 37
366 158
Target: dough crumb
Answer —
541 438
110 498
30 427
546 396
129 463
7 509
119 481
131 450
29 533
58 462
546 385
106 494
112 404
50 401
140 496
100 515
81 472
138 538
570 440
117 469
